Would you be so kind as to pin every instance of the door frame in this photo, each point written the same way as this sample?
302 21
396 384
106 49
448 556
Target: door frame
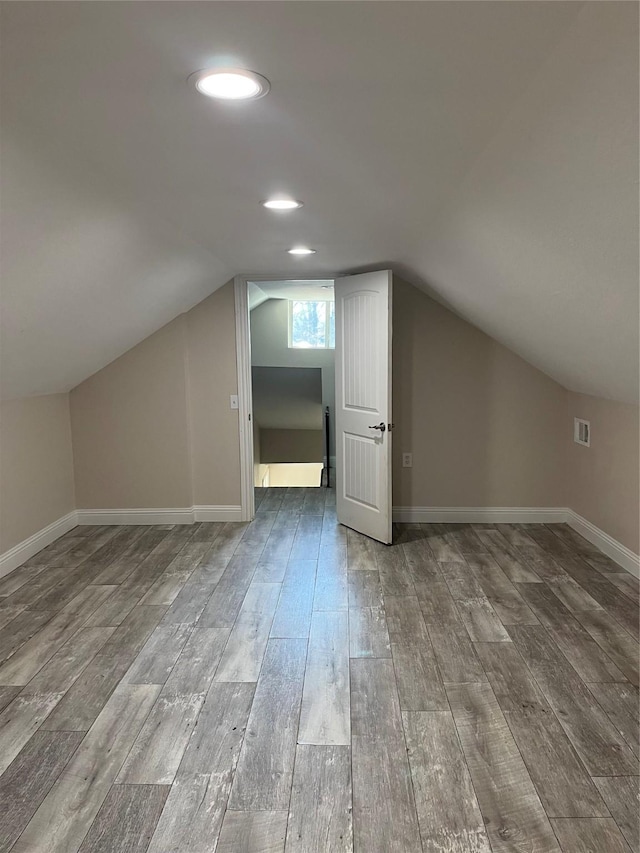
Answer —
243 367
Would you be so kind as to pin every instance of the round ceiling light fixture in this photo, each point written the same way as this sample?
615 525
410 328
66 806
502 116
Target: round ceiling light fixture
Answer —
230 84
301 250
281 204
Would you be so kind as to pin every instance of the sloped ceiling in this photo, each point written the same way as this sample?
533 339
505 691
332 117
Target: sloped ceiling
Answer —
486 151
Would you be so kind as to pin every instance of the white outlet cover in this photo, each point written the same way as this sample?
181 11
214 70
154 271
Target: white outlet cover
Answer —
233 400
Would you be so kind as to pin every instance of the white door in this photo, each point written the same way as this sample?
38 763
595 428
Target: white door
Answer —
363 403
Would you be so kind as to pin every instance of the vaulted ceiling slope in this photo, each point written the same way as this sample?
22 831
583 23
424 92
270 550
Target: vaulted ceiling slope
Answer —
488 151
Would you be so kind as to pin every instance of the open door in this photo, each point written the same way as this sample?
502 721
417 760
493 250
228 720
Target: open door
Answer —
363 403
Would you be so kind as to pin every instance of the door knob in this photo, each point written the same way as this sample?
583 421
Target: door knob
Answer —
379 426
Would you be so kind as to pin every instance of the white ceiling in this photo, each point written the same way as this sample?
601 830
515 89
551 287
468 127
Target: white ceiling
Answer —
486 151
260 291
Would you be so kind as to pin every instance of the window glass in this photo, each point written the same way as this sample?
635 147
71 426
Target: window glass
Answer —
312 324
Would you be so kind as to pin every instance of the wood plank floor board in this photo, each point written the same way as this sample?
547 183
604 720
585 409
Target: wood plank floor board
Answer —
166 588
365 589
514 567
275 553
418 680
20 630
20 720
481 621
583 835
19 577
561 780
253 832
616 604
572 539
325 711
361 552
306 542
126 820
436 603
242 657
502 594
443 549
419 559
42 583
384 811
84 701
195 668
77 579
627 584
292 619
67 664
621 704
79 707
219 731
7 695
37 651
67 812
157 752
368 634
405 622
603 751
320 809
265 767
456 657
580 649
120 568
461 581
622 796
331 590
614 641
448 811
313 502
127 595
512 811
396 578
195 807
29 778
154 663
225 602
189 604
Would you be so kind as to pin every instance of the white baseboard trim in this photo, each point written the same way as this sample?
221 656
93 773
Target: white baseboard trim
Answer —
618 552
217 513
480 514
21 552
173 515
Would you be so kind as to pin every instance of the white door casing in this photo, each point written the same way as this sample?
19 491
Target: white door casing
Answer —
363 401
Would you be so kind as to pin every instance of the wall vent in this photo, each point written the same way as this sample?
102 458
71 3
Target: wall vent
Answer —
582 432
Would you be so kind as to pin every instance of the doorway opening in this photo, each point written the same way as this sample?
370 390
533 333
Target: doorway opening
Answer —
292 344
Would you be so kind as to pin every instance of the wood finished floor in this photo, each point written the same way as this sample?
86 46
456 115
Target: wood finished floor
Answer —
289 686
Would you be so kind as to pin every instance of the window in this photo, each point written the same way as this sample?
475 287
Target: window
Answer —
312 325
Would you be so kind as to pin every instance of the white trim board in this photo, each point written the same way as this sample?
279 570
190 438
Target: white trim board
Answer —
618 552
159 515
480 514
26 549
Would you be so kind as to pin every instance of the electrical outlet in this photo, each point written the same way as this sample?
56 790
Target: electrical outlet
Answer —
407 460
233 401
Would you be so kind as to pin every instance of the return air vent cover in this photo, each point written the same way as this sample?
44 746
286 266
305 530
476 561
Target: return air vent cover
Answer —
582 432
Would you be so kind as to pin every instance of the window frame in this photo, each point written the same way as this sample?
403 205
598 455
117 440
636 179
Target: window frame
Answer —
327 325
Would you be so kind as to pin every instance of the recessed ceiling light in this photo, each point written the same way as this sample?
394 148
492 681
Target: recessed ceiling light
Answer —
230 84
301 250
281 203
